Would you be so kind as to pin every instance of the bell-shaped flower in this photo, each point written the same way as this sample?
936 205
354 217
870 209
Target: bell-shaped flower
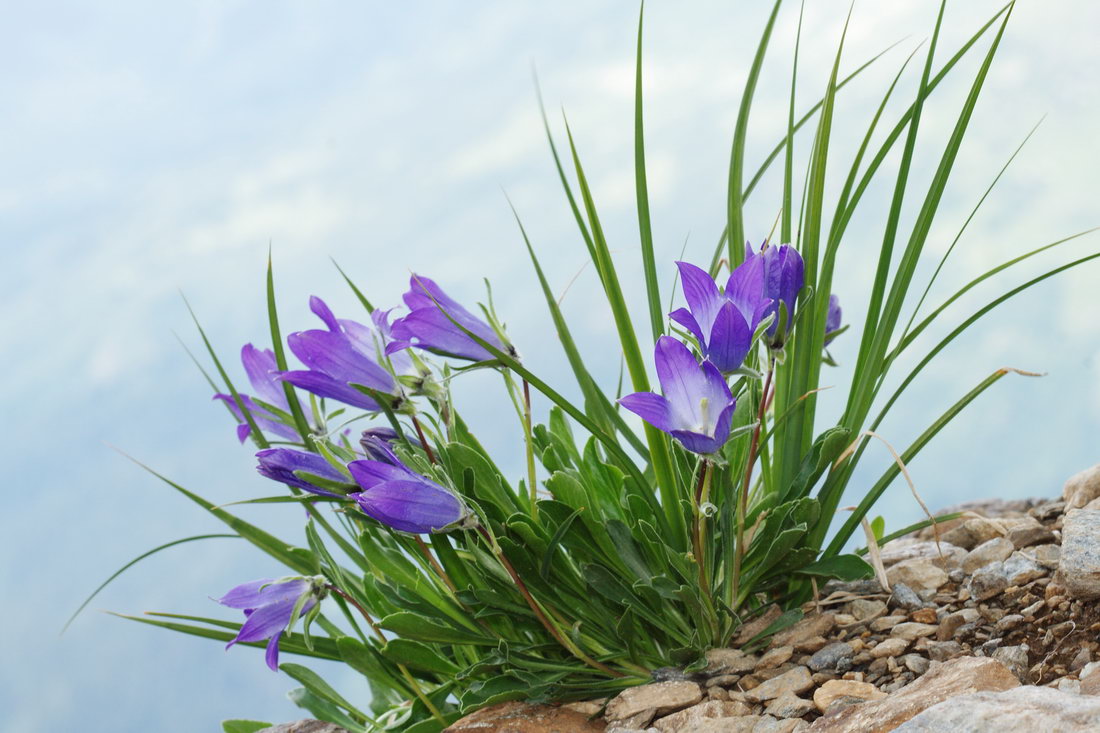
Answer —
697 405
301 469
270 607
428 327
259 365
401 498
781 272
722 326
344 355
833 319
371 437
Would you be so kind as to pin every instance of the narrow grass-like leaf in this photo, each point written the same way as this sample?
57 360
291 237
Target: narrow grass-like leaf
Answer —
280 356
358 293
645 226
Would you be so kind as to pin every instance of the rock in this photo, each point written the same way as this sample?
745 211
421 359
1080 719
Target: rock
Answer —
1090 684
738 724
925 616
1046 555
309 725
1081 488
994 550
1007 623
660 697
911 630
788 705
1020 710
960 676
758 624
1015 658
1030 533
891 647
775 657
1019 569
945 555
919 574
795 681
915 663
904 597
886 623
833 690
818 624
835 657
864 609
686 719
987 582
1079 566
941 651
522 717
729 661
771 725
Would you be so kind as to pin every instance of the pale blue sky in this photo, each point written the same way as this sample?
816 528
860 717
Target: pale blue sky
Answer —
148 148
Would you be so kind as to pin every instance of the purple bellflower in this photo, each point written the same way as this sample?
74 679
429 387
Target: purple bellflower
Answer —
782 273
344 355
388 436
427 327
259 365
697 406
283 464
269 606
832 319
723 324
401 498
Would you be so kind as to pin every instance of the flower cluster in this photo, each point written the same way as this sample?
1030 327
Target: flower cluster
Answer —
696 405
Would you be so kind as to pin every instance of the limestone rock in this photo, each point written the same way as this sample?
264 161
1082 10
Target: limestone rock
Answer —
795 681
1079 566
1015 658
865 609
789 705
836 657
960 676
1081 488
1030 533
1019 569
834 690
911 630
987 582
660 697
522 717
775 657
918 573
1020 710
687 719
945 555
730 661
818 624
889 648
995 550
308 725
756 625
1046 555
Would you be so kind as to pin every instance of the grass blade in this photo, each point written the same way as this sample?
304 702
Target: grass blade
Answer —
645 227
280 356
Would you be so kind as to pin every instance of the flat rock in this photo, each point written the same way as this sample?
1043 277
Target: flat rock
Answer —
660 697
1019 569
730 661
865 609
309 725
911 630
775 657
1046 555
1020 710
987 582
995 550
1079 566
686 719
735 724
833 690
1081 488
818 624
836 657
789 705
890 647
918 573
944 555
1030 533
1015 658
523 717
756 625
794 681
961 676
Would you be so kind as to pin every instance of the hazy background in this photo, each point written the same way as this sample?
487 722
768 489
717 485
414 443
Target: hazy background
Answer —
147 148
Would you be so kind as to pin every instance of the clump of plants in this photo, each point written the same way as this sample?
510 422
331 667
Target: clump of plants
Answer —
451 585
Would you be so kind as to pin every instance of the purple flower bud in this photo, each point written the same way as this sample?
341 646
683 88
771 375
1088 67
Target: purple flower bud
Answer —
269 606
781 271
344 355
401 498
259 365
387 436
427 327
722 325
281 464
832 319
697 406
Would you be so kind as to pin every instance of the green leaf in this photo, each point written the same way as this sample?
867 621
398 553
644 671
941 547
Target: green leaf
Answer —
280 355
417 627
645 226
243 726
841 567
323 709
416 655
317 686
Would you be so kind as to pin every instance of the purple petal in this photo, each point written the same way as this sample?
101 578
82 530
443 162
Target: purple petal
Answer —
650 407
264 419
745 289
682 381
701 294
262 592
378 443
243 431
369 474
833 318
259 365
323 385
684 318
280 464
271 656
322 311
696 442
411 506
431 330
334 354
730 339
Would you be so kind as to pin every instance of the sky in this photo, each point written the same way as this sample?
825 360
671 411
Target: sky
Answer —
153 149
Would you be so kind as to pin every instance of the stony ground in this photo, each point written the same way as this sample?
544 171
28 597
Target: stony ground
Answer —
992 627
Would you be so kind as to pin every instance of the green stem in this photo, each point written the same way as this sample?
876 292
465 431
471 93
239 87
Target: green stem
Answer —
532 486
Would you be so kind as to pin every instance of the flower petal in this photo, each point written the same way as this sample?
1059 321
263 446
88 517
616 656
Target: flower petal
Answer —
745 289
696 442
431 330
271 656
652 408
260 366
323 385
322 311
411 506
730 339
684 318
701 294
263 592
369 474
279 464
335 355
682 381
